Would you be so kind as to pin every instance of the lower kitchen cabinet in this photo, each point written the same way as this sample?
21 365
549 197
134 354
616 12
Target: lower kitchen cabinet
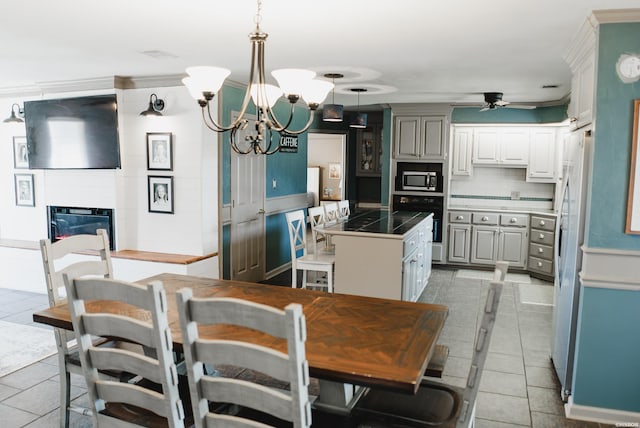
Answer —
541 246
483 238
459 243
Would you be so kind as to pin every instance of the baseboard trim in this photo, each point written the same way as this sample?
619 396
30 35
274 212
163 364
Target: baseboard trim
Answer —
599 414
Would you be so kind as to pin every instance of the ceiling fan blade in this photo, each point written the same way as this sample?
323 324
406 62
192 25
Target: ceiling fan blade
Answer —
521 106
484 108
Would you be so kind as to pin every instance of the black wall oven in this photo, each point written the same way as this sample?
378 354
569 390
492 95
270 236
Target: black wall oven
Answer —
432 204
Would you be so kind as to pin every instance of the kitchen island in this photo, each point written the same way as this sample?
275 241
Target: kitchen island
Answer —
383 253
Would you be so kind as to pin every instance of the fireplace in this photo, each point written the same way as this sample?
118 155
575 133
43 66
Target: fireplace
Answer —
67 221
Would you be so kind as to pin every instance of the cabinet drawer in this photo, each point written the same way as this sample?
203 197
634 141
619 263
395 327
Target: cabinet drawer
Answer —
514 220
485 218
459 217
541 251
543 223
410 243
542 237
540 265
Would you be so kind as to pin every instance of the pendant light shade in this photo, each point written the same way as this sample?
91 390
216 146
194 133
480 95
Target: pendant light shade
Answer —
359 120
333 112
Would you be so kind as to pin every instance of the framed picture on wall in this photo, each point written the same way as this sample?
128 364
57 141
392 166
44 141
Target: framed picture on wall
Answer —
633 202
20 154
24 190
159 151
160 190
335 170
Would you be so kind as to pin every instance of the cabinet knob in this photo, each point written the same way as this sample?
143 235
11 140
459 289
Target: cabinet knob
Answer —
539 264
459 217
513 220
542 223
540 250
485 218
541 236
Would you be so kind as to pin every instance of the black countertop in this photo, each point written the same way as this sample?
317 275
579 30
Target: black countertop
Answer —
378 222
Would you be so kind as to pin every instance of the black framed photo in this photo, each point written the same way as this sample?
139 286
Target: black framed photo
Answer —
20 154
24 190
160 190
159 151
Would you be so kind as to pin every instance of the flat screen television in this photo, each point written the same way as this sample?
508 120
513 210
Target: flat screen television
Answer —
73 133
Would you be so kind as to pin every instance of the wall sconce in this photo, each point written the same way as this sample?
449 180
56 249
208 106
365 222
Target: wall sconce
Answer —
15 118
156 105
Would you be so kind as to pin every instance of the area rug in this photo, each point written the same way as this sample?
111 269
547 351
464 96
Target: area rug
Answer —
534 294
23 345
487 275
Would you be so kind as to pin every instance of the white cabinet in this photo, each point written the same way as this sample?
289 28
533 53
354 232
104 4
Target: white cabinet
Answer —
581 59
420 137
542 155
461 152
501 146
541 245
484 245
459 236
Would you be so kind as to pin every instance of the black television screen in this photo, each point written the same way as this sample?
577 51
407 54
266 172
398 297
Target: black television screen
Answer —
73 133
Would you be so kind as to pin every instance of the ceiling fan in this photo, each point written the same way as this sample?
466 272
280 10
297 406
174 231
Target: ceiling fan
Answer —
493 100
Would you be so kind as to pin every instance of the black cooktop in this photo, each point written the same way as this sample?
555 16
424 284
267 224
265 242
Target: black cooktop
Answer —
382 222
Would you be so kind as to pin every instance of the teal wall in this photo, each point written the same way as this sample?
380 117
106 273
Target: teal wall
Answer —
555 114
607 363
607 370
612 142
289 170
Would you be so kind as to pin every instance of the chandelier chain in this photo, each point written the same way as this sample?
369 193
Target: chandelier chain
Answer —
258 17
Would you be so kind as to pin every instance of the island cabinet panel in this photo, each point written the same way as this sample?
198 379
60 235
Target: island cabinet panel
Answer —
372 262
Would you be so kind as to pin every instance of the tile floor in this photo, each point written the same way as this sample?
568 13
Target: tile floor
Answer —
518 387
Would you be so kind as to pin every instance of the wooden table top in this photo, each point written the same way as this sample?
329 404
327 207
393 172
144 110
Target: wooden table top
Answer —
352 339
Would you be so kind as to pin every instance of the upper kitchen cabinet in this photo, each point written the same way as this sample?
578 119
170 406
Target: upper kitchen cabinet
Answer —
582 60
501 146
418 137
369 151
543 155
461 151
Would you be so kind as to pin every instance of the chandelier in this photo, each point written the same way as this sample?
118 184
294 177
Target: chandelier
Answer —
204 82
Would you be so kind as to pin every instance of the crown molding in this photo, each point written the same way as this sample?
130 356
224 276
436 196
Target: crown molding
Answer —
613 16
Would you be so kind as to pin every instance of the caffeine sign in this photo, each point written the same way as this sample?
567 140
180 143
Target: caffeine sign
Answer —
289 143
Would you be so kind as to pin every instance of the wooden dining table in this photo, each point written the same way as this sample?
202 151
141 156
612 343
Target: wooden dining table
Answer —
351 340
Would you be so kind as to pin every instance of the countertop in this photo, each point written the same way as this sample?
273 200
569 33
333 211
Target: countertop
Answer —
515 210
378 223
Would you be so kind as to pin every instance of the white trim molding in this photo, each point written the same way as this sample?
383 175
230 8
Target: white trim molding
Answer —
610 268
599 414
283 204
613 16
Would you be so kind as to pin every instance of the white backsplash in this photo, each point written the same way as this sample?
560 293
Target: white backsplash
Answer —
491 187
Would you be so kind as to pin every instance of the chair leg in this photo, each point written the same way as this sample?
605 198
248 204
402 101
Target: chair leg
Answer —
65 394
330 280
304 278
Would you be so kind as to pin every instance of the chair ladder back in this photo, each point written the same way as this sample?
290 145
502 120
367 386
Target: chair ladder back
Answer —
156 365
345 209
331 212
481 348
291 367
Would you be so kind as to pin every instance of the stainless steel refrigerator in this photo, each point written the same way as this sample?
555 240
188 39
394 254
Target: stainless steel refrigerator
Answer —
568 255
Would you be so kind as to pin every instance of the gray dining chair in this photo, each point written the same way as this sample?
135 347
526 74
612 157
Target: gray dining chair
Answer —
153 398
436 403
58 258
256 402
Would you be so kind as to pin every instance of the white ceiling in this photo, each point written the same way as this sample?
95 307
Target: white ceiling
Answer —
402 51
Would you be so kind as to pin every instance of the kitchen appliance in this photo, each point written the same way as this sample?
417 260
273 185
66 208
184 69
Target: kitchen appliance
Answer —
419 180
568 256
432 204
418 177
